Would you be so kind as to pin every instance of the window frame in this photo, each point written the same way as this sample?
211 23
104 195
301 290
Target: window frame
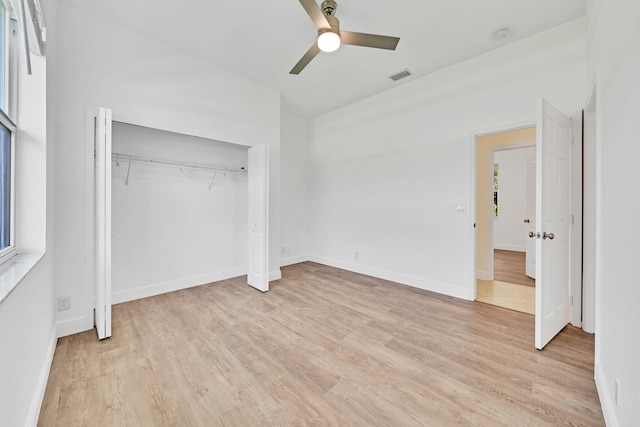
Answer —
7 110
10 250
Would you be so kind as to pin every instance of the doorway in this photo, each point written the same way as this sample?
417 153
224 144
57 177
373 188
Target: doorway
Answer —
179 211
186 223
558 225
505 214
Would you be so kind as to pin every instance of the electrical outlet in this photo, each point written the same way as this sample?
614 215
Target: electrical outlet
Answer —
64 303
356 255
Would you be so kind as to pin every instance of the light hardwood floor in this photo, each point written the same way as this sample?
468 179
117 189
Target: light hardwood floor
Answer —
322 347
510 266
507 295
511 288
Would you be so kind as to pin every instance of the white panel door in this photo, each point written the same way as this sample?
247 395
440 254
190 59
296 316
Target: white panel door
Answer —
258 269
530 221
103 222
552 222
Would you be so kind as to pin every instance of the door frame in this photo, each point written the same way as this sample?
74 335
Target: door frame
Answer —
591 287
576 171
500 128
490 247
473 140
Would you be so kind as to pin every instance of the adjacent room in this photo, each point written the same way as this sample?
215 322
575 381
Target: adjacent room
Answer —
319 212
505 215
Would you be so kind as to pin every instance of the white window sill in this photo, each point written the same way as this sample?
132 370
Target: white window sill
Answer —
14 270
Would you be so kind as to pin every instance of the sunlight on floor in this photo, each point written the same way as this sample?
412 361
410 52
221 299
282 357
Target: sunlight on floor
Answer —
515 297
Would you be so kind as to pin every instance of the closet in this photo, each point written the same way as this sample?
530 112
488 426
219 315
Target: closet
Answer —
174 211
179 211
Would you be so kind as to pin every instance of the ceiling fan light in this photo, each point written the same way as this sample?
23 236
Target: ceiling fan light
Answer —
328 41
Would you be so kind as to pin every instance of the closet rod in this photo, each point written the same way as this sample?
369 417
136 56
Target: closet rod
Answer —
129 158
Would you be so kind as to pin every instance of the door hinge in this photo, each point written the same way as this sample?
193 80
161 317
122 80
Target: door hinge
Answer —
571 218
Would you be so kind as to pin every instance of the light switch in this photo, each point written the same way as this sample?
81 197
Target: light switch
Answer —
461 207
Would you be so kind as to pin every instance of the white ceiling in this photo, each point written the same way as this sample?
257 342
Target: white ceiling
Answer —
263 39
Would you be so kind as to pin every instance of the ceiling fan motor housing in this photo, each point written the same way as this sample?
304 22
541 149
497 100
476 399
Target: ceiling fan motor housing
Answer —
329 7
335 25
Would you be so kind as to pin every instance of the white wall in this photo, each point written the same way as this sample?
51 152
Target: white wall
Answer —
27 318
509 231
387 172
150 84
170 230
27 340
294 214
614 62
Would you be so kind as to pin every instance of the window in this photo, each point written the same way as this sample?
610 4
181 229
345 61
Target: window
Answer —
22 193
7 146
495 189
6 187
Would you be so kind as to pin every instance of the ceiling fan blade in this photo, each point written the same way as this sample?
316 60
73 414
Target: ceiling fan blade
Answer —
311 53
316 15
369 40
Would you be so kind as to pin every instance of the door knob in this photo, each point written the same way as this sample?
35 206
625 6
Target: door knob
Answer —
527 221
532 235
549 236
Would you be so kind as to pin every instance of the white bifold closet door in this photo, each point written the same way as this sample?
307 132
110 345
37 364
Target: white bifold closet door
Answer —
103 221
258 268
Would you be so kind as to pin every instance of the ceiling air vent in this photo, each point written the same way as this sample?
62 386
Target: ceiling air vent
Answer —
400 75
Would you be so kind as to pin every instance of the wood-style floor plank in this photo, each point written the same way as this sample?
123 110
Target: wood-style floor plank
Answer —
507 295
323 347
510 267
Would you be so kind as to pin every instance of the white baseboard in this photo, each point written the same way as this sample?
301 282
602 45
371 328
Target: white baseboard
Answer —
275 275
404 279
74 326
294 260
174 285
514 248
484 275
38 395
606 401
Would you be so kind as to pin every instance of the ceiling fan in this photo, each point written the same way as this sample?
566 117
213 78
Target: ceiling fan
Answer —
330 37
